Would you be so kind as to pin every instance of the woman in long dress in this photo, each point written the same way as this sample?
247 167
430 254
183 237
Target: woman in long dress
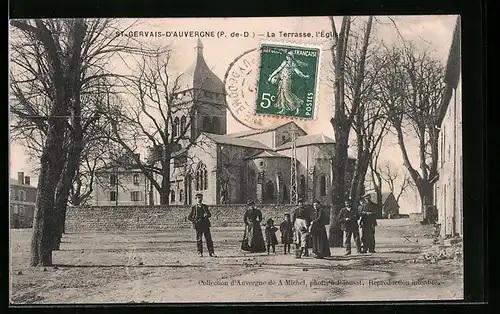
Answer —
253 240
320 245
282 77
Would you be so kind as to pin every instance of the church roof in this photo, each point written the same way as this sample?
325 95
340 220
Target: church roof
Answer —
267 154
308 140
230 140
260 131
200 76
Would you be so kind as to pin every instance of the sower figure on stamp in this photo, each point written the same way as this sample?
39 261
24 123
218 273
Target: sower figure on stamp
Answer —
282 77
349 223
368 222
200 217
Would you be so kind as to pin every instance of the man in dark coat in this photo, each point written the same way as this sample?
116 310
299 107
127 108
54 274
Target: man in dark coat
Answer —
349 224
200 217
368 222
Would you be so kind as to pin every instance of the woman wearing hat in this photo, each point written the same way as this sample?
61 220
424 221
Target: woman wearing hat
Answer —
320 245
253 240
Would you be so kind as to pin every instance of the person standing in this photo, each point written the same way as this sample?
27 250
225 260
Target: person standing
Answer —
253 241
301 220
271 238
200 217
368 222
320 245
286 229
349 225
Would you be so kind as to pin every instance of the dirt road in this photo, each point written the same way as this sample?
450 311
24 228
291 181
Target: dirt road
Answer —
163 267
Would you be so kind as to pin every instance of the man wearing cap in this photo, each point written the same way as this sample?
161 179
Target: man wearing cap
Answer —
200 217
301 218
348 217
368 222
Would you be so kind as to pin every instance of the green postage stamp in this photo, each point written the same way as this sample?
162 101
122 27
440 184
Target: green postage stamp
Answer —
288 80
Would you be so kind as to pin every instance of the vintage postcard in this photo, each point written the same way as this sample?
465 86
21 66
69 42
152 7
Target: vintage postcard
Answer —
279 159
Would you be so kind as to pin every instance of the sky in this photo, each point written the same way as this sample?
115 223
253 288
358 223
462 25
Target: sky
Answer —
434 31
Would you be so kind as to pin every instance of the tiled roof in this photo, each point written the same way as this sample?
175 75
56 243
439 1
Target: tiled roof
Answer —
267 154
254 132
308 140
230 140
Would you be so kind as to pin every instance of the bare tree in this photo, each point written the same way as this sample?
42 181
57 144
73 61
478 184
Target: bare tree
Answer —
392 177
55 65
342 119
411 93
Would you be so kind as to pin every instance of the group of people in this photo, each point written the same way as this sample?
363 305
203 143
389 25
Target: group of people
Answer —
304 228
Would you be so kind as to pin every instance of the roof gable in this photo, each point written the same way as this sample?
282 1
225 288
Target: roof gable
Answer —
234 141
305 140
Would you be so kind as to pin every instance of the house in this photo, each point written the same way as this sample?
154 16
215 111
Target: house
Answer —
22 202
119 184
448 183
390 206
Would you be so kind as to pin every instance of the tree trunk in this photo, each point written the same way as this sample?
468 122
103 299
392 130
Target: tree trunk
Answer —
338 197
165 183
51 167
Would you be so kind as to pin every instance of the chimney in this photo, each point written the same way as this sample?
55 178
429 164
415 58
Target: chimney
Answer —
20 178
27 180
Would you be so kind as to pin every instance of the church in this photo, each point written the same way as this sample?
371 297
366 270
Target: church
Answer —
229 168
236 167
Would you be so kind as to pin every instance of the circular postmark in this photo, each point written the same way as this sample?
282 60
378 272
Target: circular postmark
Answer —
241 81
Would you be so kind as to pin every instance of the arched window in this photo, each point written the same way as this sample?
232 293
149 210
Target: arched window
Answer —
201 177
181 196
183 125
206 124
251 176
172 196
286 195
302 186
322 185
175 127
269 191
215 125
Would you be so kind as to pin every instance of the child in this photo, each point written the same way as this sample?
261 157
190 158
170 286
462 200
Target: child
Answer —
286 229
271 235
304 237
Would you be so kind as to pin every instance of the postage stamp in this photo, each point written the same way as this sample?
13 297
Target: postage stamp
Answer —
288 80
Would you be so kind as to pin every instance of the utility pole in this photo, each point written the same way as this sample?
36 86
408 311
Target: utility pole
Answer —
293 173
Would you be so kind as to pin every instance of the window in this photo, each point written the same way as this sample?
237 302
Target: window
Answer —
12 195
112 196
22 195
183 125
181 195
286 193
135 196
215 125
175 127
113 179
251 176
322 185
16 209
22 210
172 196
206 124
136 179
201 177
302 186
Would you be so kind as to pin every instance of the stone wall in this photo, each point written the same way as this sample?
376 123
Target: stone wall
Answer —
122 218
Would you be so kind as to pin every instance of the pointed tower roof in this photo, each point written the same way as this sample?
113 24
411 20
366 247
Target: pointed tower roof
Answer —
199 75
